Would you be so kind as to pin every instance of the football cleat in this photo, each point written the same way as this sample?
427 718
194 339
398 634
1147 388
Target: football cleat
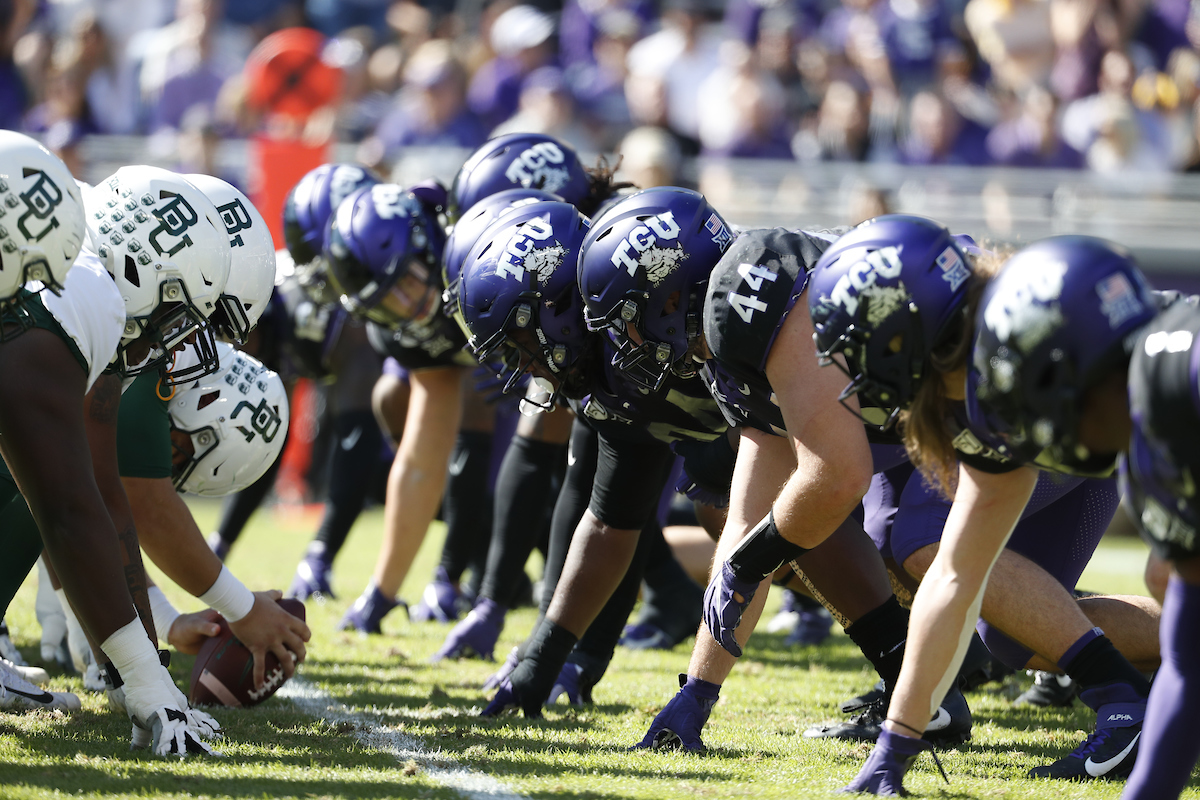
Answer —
35 675
8 650
506 669
476 635
1049 690
678 726
314 576
439 601
368 611
572 686
875 694
18 694
951 725
644 636
1110 750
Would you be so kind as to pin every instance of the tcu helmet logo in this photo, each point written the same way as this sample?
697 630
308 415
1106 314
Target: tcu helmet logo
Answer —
859 280
659 262
264 420
174 219
392 201
345 179
1027 304
40 201
524 255
534 168
236 220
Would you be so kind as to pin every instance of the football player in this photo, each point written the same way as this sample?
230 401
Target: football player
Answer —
891 298
1072 355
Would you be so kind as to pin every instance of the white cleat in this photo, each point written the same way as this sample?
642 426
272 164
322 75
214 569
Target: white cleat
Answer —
18 694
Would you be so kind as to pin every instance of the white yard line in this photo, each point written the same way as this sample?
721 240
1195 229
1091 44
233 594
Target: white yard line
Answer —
436 764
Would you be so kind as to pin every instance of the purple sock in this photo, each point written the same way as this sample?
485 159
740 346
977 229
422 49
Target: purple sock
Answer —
1169 745
1075 649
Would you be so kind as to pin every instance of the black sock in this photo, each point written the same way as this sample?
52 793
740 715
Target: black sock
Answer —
466 505
1101 662
356 445
880 634
544 658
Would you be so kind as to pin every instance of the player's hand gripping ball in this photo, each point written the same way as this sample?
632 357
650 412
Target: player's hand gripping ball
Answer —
224 670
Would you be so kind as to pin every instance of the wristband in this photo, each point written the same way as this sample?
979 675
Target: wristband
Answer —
163 612
229 596
763 551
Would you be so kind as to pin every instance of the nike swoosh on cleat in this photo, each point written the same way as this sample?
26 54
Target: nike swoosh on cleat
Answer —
1098 769
44 697
941 720
456 466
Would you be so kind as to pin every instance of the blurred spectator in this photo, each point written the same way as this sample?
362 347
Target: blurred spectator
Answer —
746 20
1163 28
1015 38
1081 30
1132 136
742 114
111 84
583 21
546 107
914 34
63 138
1031 139
1192 164
14 98
650 157
938 135
431 107
680 58
521 39
866 201
599 85
841 132
331 17
362 104
65 97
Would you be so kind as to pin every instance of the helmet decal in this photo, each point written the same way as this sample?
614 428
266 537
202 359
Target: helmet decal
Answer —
540 167
522 254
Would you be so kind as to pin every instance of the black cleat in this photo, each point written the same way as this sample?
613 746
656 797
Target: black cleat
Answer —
1108 754
873 695
1049 690
951 725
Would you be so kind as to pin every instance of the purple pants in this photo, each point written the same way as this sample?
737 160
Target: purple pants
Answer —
1059 530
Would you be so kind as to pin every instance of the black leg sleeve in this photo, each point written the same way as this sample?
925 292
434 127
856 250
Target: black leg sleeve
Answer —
21 542
466 505
573 500
356 448
671 600
522 491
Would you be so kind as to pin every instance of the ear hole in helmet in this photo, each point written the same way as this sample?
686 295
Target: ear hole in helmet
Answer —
672 304
896 343
208 399
163 194
604 233
131 272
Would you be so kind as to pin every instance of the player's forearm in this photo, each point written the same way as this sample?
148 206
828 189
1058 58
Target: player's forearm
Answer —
169 534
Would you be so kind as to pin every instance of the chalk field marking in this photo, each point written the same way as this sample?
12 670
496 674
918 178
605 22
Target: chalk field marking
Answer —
437 765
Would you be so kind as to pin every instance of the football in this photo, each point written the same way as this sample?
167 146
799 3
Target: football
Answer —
224 670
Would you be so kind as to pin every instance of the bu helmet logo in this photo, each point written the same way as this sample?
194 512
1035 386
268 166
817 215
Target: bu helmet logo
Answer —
174 219
533 168
642 240
264 420
523 254
860 279
236 219
40 201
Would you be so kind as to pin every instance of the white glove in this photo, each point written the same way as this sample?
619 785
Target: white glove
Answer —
169 735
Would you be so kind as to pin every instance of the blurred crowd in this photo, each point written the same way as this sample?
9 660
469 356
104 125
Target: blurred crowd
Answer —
1106 85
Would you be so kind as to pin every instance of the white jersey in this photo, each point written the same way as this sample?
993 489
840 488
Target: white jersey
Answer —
90 310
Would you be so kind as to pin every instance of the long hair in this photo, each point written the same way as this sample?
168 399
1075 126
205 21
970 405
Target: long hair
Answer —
928 425
602 186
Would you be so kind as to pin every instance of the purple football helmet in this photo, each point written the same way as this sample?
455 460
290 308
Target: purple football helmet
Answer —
306 213
479 218
645 268
518 161
519 299
884 296
1053 323
383 249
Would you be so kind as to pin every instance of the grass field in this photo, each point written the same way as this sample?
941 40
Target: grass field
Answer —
370 718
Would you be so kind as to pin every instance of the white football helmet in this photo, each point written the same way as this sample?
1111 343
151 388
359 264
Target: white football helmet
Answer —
41 216
236 420
252 270
165 245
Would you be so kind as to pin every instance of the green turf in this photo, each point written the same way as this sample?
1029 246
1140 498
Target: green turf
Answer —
756 749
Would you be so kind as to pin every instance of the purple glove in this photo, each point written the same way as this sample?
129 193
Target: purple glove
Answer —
722 614
883 774
678 726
